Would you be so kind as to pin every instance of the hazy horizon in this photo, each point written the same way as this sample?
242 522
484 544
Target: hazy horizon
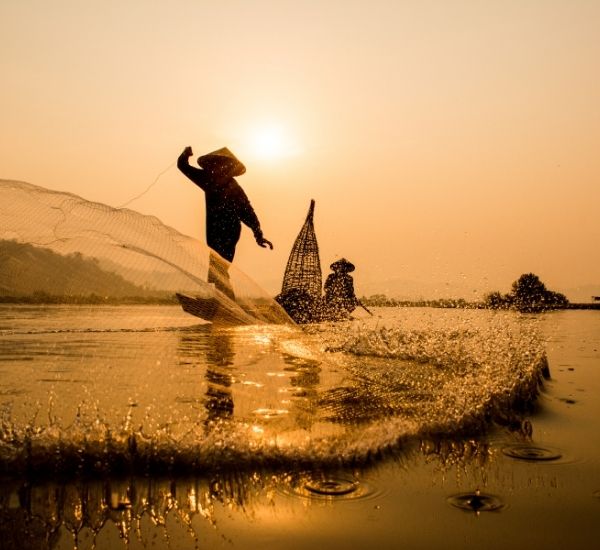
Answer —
450 144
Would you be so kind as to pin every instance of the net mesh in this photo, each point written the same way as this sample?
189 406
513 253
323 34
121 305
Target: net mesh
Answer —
58 246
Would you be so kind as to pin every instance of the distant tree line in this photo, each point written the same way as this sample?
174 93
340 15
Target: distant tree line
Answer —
33 274
381 300
42 297
36 275
528 294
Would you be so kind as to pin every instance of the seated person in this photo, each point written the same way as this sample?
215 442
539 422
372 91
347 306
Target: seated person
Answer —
340 299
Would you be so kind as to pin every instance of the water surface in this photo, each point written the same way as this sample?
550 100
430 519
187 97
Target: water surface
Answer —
166 433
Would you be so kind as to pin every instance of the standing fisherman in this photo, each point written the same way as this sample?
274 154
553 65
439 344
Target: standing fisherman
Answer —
227 206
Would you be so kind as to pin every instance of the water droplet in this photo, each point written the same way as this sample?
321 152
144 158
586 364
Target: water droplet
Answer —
567 400
476 502
532 453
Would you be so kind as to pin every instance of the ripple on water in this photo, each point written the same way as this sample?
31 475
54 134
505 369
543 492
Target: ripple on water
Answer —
476 502
332 487
320 486
532 453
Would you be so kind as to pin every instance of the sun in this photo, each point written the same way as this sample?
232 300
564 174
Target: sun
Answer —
269 142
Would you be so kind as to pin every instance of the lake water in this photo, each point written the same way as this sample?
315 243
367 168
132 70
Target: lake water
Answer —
138 427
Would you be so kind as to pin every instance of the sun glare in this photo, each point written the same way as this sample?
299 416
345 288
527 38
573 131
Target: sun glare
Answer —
269 142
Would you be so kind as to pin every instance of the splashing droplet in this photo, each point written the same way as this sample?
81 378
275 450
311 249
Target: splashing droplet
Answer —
476 502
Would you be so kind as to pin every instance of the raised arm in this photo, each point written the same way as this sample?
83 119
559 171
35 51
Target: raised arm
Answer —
198 176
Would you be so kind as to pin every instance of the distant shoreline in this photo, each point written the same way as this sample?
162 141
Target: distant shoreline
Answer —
462 304
583 306
41 298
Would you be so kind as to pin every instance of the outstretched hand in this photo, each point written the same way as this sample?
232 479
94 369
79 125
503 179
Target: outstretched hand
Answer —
188 151
261 241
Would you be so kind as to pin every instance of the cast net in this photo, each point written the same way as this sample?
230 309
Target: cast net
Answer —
58 247
108 393
302 280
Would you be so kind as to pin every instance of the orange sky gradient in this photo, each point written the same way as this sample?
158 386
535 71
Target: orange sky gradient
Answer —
450 145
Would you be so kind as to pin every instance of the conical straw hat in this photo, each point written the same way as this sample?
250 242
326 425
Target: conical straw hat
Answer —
222 157
342 265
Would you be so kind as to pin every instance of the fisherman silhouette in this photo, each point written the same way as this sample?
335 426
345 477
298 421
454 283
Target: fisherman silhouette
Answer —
340 299
227 207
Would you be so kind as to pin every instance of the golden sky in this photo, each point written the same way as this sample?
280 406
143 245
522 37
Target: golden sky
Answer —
450 145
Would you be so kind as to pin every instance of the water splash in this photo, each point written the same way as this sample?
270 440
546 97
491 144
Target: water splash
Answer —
281 401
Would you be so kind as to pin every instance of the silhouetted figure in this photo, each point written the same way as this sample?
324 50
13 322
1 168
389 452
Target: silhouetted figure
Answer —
227 207
340 299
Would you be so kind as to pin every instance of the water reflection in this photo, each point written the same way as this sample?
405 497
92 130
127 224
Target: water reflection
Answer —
220 356
85 513
114 513
212 349
457 452
295 382
48 515
303 390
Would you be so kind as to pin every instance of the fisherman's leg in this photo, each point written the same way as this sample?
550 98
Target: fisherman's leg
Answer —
218 274
222 240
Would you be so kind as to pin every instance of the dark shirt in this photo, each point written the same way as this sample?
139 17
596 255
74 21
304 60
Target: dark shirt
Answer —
339 291
227 207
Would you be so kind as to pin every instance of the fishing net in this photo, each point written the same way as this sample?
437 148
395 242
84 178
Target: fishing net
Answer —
110 394
302 281
58 247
